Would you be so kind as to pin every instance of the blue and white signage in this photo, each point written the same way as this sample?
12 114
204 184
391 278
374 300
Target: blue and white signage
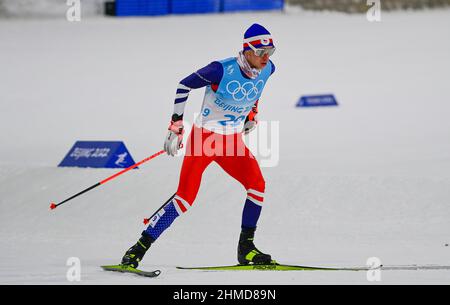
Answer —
98 155
317 101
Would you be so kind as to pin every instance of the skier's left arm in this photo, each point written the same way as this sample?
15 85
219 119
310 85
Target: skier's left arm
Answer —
252 118
251 121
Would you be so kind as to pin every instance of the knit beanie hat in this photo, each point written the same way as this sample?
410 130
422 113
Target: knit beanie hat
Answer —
258 36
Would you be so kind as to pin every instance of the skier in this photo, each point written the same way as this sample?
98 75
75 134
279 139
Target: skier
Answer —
230 105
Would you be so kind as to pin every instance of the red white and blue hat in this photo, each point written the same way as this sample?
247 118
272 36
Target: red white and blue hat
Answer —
258 36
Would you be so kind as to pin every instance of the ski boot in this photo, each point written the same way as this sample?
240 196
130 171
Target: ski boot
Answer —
135 254
247 252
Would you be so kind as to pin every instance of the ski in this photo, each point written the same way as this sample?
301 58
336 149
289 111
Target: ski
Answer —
273 267
415 267
128 269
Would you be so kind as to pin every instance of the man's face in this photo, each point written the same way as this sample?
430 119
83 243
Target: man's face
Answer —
257 62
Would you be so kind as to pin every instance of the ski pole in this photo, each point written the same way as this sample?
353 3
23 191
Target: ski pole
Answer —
147 220
54 206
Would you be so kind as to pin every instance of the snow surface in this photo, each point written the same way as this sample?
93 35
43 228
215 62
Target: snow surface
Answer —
370 178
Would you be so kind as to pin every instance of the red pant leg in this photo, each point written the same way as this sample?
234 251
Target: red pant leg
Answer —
194 164
245 169
230 152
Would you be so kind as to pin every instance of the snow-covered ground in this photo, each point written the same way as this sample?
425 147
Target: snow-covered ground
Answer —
370 178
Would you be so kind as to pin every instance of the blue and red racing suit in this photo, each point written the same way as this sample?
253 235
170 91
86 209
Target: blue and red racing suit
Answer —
230 97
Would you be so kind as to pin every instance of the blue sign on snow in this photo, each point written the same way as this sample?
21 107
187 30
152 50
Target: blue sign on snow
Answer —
317 101
98 154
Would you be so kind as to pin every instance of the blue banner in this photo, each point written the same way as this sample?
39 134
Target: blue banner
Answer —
195 6
252 5
317 101
142 7
98 155
165 7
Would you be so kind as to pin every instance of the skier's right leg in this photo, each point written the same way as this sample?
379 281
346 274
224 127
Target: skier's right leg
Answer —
194 164
188 186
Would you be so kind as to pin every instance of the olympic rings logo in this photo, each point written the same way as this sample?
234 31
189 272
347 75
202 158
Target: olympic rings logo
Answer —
247 91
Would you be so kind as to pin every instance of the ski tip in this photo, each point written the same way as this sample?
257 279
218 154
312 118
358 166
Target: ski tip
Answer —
126 269
146 221
52 206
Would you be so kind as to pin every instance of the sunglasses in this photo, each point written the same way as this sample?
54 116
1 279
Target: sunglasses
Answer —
262 52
